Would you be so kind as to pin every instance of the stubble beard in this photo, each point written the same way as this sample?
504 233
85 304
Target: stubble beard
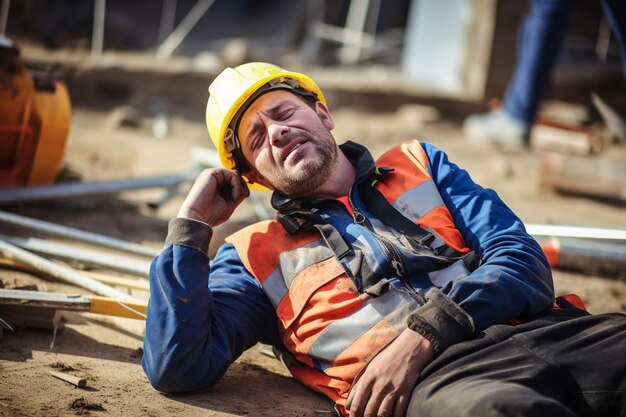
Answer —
313 172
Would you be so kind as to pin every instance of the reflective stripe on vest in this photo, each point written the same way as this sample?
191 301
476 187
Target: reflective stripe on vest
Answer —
292 263
386 313
416 196
324 322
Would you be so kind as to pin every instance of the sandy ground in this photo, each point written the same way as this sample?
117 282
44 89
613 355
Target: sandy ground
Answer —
108 352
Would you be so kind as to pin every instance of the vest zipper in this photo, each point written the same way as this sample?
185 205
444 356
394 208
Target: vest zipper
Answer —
392 253
390 250
398 264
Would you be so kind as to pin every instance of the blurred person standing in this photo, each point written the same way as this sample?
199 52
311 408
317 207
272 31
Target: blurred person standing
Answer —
539 41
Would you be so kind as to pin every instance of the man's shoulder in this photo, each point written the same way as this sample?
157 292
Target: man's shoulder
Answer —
411 150
262 227
268 236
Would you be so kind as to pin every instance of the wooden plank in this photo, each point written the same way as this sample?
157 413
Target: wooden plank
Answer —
74 380
73 302
112 307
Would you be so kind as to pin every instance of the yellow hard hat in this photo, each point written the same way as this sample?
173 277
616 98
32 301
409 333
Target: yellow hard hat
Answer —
234 90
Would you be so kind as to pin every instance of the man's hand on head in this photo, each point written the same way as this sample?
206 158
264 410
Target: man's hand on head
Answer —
214 196
385 387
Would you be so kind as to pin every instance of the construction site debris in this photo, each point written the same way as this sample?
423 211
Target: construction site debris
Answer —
615 124
586 256
132 283
595 177
553 230
559 139
31 300
63 273
76 234
83 407
74 380
125 116
82 189
115 262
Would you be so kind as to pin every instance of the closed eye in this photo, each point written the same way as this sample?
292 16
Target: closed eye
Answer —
257 140
285 114
255 136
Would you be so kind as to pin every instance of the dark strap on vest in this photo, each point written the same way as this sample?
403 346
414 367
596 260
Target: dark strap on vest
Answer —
383 210
292 224
386 212
295 222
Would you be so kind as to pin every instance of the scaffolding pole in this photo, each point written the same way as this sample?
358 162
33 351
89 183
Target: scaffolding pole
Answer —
174 39
64 273
77 234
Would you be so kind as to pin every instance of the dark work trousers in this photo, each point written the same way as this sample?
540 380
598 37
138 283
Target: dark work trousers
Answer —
563 363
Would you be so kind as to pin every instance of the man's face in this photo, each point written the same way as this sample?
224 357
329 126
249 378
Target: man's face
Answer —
288 143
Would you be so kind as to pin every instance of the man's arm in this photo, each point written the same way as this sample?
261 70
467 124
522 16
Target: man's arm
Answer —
197 326
515 279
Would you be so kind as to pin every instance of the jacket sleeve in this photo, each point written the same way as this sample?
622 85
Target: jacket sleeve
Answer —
197 325
514 279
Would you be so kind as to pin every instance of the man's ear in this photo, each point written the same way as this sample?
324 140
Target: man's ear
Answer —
324 114
254 176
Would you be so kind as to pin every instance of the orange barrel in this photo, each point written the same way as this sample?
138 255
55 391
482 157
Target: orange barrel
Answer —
34 122
17 139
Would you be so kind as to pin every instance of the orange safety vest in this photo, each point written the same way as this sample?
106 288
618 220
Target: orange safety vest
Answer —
327 326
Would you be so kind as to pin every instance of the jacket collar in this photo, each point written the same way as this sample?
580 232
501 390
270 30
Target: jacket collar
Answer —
358 155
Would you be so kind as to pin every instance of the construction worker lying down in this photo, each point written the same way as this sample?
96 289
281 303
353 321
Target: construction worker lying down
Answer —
394 286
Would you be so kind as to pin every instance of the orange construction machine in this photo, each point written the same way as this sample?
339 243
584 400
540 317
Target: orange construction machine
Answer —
34 121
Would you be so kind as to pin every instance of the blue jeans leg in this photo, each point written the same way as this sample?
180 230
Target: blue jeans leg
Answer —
539 42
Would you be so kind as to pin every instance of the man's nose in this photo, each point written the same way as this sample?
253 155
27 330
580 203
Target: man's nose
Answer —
277 132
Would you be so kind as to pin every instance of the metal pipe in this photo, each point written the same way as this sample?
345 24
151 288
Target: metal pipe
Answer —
169 194
97 35
182 30
586 256
131 283
77 234
51 192
89 257
64 273
576 232
353 33
168 15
